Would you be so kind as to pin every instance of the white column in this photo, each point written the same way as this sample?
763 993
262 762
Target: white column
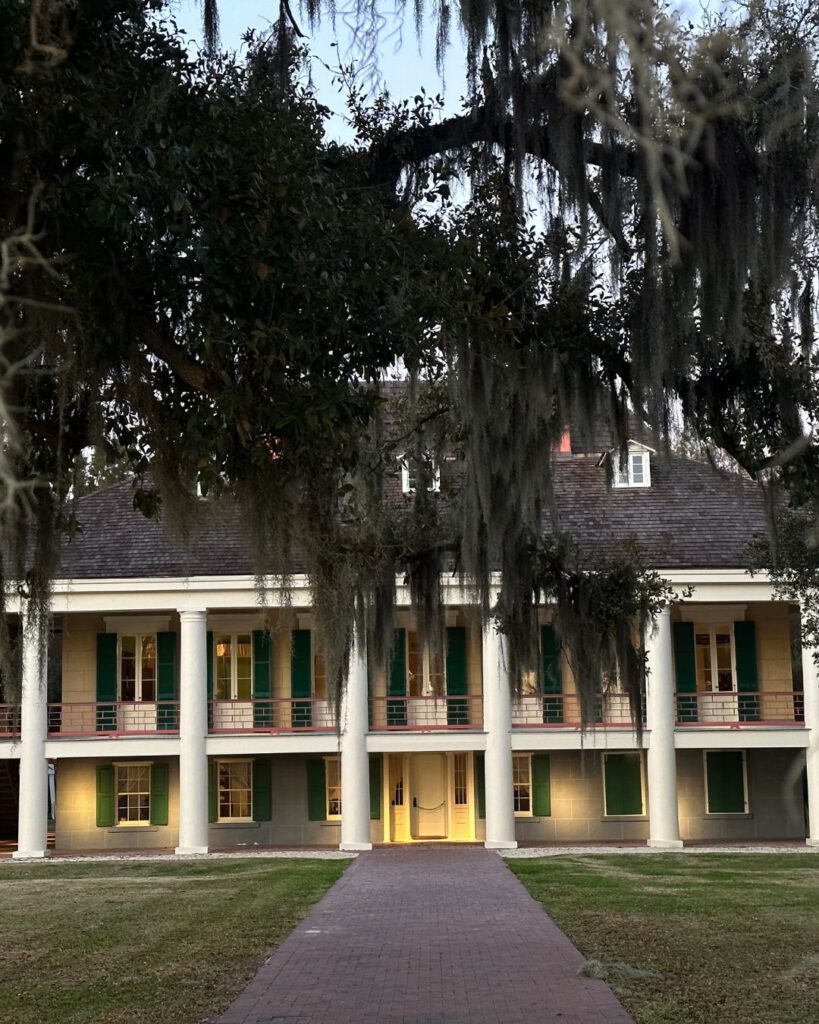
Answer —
32 829
355 762
497 720
664 820
810 681
193 730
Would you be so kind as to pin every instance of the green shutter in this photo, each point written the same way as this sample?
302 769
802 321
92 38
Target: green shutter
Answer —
213 792
623 782
106 811
552 674
375 787
747 672
480 785
262 790
106 681
262 683
397 680
209 661
541 786
457 711
159 794
301 678
316 789
685 671
725 779
167 717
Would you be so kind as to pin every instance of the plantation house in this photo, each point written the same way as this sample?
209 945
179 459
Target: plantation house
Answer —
179 712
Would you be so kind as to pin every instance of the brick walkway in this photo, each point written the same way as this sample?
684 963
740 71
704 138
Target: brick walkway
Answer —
432 935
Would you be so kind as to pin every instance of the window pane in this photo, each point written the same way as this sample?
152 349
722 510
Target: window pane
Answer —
148 666
415 670
319 677
133 793
244 661
235 789
127 667
459 768
637 476
221 682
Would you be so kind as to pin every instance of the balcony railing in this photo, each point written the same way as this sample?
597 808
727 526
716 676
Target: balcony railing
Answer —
156 718
298 714
562 710
114 718
425 714
9 719
740 709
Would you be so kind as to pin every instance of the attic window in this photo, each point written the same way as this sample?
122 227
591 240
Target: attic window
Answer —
410 475
635 471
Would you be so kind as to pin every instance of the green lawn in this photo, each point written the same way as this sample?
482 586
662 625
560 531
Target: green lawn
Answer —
144 943
703 939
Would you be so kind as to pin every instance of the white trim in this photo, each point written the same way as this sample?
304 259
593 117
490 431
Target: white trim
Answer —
528 757
405 477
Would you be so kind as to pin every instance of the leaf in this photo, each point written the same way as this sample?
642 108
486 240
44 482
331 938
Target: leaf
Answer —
262 271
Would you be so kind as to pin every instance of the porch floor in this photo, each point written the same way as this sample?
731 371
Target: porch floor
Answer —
439 935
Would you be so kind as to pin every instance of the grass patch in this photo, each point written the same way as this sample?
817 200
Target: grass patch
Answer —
144 943
692 940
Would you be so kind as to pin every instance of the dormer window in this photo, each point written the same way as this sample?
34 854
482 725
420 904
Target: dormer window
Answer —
410 475
635 470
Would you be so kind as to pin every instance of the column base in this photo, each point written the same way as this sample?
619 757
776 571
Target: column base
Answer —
29 855
665 844
352 847
812 842
500 844
191 851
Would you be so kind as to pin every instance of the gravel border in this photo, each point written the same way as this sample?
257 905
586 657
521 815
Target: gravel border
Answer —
525 852
93 858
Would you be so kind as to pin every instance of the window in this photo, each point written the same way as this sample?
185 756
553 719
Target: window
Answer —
522 783
410 475
635 471
233 666
333 777
726 784
714 658
133 782
459 776
623 784
137 667
235 791
319 677
425 671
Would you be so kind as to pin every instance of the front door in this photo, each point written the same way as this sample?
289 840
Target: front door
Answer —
428 810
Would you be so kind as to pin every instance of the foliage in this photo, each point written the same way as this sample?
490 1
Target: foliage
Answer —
199 281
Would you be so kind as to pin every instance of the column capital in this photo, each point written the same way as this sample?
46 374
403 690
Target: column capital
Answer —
192 614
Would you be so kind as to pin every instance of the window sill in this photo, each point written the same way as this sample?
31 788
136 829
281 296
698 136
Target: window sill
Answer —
121 829
235 824
728 814
624 817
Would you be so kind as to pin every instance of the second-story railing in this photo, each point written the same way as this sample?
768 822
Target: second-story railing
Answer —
296 714
114 718
9 720
425 714
740 709
556 710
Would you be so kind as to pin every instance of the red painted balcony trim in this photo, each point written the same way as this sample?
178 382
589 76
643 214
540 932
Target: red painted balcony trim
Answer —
271 715
9 720
425 714
740 710
562 711
114 718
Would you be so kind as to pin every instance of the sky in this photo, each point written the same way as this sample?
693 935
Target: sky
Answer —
405 67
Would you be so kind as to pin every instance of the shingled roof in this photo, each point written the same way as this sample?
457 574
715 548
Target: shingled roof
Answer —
692 516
